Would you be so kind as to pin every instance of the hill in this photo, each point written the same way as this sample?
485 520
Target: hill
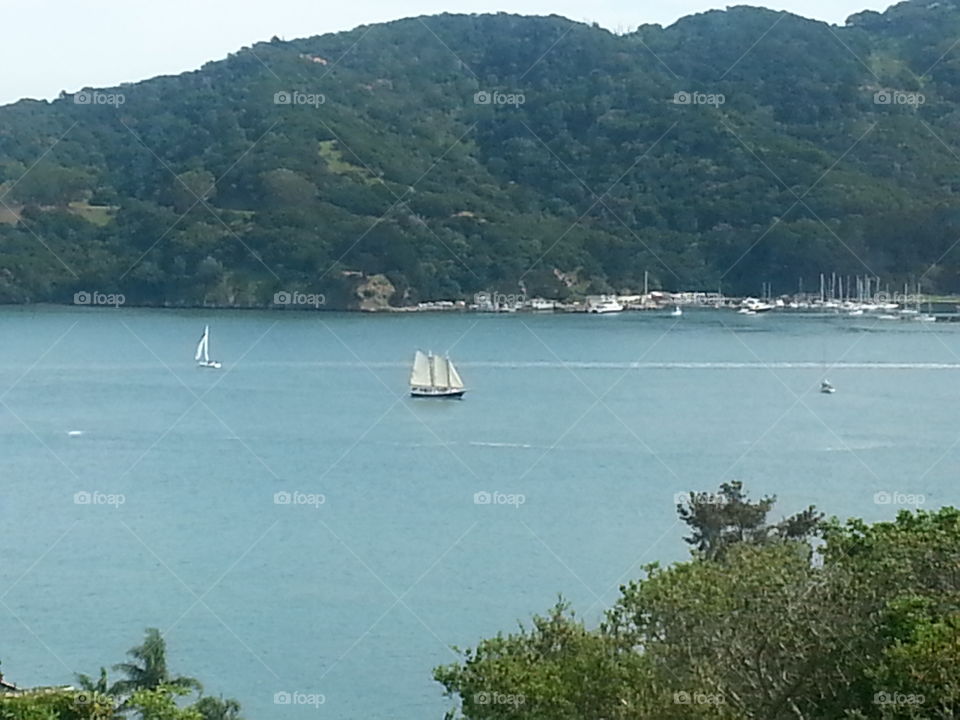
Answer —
448 155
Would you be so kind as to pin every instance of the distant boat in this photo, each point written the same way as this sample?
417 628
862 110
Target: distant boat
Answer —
826 388
435 376
605 306
755 306
746 311
677 312
203 352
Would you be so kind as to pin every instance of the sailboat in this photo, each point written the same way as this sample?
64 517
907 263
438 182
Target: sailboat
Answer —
677 312
435 376
826 388
203 352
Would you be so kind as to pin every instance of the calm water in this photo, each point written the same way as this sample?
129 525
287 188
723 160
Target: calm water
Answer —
596 421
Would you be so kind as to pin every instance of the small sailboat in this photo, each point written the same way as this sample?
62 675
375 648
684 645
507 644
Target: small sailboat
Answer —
826 388
203 352
677 312
435 376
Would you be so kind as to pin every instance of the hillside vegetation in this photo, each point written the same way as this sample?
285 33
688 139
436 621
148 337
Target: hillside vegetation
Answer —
455 154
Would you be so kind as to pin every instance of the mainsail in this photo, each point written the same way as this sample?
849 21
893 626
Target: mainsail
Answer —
421 376
203 346
440 376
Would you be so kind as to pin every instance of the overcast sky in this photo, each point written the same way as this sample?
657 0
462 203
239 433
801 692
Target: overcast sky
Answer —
51 45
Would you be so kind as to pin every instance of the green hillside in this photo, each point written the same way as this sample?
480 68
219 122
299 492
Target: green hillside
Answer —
459 154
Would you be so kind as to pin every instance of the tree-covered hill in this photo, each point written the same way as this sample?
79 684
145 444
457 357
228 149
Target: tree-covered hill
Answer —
458 154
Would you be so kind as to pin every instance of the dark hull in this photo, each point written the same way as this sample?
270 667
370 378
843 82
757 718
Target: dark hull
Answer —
443 394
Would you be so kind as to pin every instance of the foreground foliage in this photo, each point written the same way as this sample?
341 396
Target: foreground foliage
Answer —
146 692
866 626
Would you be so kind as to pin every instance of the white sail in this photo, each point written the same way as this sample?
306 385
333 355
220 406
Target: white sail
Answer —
202 346
455 382
438 372
420 376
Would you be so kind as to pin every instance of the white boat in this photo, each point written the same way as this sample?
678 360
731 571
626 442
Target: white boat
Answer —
605 305
746 311
826 388
677 312
925 317
541 305
203 352
756 306
435 376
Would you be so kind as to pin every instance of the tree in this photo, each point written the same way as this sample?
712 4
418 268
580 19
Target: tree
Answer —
100 685
719 520
865 625
160 703
148 669
213 708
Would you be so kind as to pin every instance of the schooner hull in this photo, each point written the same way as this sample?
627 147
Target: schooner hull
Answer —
436 393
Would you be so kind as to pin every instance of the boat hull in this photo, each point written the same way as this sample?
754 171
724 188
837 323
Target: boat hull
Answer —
435 393
209 364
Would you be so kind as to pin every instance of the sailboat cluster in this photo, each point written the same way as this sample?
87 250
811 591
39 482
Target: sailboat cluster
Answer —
432 375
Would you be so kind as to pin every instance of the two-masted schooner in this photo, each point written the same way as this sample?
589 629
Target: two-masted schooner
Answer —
435 376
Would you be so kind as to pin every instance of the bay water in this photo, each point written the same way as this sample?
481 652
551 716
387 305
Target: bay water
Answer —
301 530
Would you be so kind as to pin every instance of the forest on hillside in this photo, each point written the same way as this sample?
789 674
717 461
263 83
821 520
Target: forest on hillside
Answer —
438 157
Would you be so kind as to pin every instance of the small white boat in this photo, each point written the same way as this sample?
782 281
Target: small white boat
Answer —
826 388
925 317
856 312
202 355
746 311
541 305
604 306
435 376
677 312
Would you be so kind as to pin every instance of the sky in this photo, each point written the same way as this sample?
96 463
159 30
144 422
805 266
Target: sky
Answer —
51 45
